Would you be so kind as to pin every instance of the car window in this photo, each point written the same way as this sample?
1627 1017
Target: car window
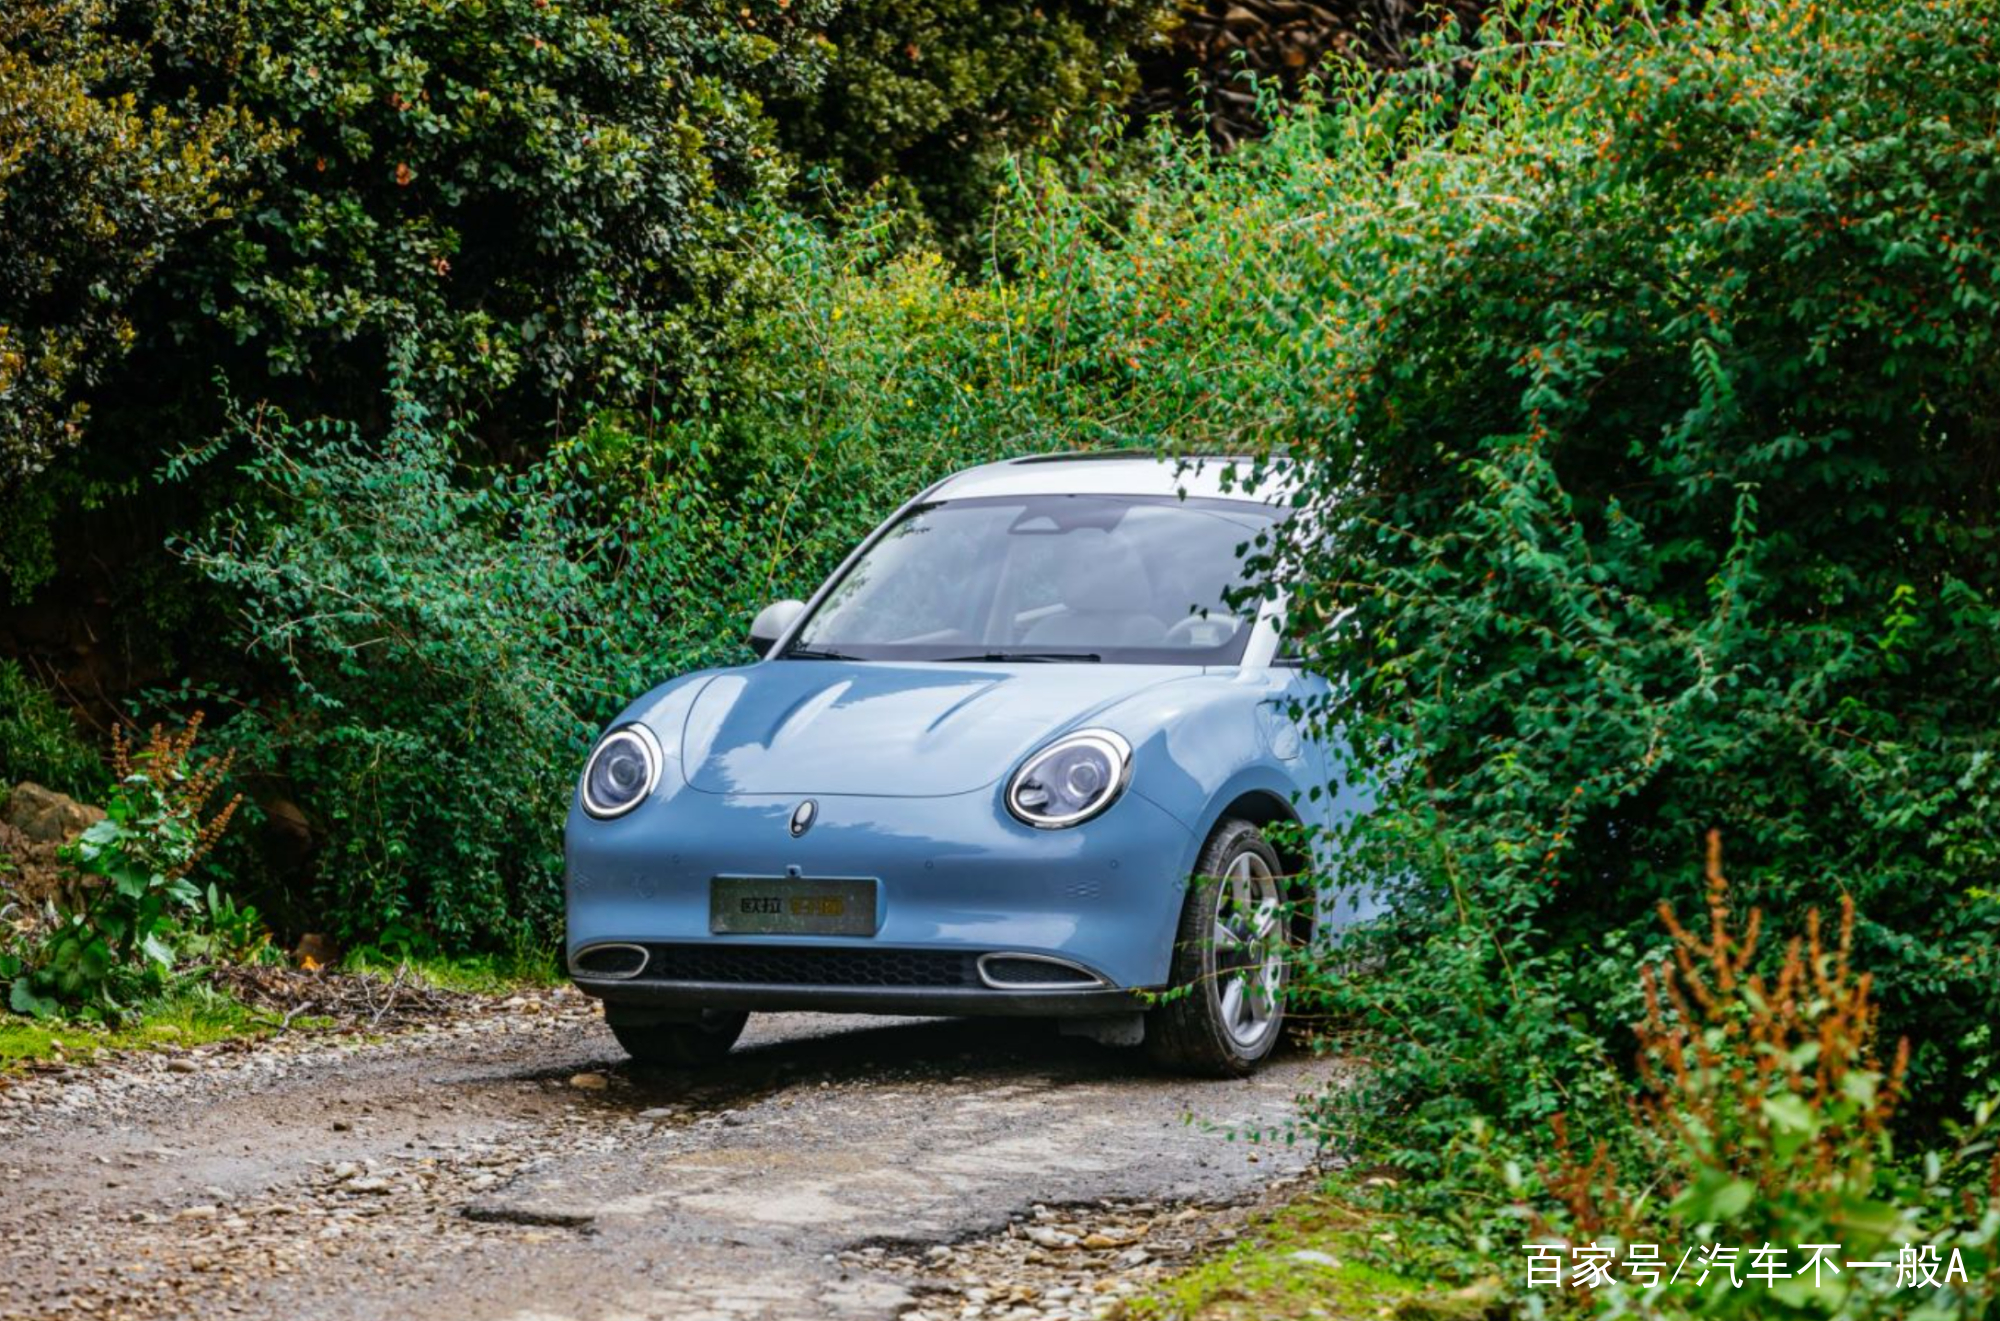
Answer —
1116 578
912 583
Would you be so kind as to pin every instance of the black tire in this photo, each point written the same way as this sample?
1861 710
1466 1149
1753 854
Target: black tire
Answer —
1207 1029
686 1045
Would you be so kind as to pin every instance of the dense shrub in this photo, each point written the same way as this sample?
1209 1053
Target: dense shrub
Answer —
1659 445
113 937
40 742
552 204
542 198
930 100
1765 1117
446 663
102 171
543 203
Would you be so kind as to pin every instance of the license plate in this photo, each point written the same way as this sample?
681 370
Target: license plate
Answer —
790 905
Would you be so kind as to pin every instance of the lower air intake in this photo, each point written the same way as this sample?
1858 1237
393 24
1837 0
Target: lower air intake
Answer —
610 961
1013 970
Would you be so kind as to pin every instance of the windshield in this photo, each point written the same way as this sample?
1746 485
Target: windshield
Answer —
1120 579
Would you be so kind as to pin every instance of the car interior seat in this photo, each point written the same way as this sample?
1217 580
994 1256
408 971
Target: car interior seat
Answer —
1107 597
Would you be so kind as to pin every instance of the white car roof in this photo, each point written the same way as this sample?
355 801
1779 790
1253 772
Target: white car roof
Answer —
1115 472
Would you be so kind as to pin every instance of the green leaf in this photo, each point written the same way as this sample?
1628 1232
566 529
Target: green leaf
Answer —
1790 1112
21 998
157 950
1713 1199
1732 1199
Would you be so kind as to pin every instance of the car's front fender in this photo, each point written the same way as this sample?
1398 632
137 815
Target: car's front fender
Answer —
1198 745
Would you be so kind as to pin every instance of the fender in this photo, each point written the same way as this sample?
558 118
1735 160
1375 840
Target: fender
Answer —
1269 780
1198 746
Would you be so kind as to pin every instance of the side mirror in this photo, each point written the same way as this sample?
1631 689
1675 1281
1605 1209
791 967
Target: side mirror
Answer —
771 623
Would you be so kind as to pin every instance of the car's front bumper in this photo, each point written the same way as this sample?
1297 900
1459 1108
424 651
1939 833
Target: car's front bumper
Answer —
678 999
958 880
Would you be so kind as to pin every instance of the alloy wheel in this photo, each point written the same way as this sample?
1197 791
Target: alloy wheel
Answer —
1248 949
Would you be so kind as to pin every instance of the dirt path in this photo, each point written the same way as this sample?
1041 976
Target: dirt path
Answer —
511 1167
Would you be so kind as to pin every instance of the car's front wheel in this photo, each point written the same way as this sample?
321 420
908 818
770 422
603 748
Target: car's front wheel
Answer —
679 1045
1227 1005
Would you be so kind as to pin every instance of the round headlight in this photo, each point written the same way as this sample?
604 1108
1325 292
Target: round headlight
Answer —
1071 780
621 772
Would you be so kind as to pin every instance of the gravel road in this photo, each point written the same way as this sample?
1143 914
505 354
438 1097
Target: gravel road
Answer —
508 1165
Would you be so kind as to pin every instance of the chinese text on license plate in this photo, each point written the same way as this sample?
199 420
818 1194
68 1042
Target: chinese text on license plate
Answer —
790 905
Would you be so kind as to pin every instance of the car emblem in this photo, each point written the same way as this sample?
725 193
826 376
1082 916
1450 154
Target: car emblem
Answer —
802 817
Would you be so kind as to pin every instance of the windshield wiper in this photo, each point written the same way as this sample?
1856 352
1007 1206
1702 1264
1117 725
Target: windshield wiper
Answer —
816 653
1039 656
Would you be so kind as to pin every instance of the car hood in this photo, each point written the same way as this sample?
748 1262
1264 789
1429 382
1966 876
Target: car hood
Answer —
906 731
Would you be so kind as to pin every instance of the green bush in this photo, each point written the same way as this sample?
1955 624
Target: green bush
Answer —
543 199
103 171
543 204
447 667
113 939
1764 1118
929 100
550 205
1655 380
39 741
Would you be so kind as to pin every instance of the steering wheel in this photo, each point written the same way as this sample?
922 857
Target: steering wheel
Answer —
1188 632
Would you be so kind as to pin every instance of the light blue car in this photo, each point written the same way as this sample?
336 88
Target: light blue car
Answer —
975 774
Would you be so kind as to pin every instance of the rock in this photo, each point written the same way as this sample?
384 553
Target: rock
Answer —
45 816
1099 1242
1313 1257
198 1213
180 1065
589 1082
526 1215
1050 1238
31 873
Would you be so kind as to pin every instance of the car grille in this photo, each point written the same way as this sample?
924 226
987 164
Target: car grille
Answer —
774 965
